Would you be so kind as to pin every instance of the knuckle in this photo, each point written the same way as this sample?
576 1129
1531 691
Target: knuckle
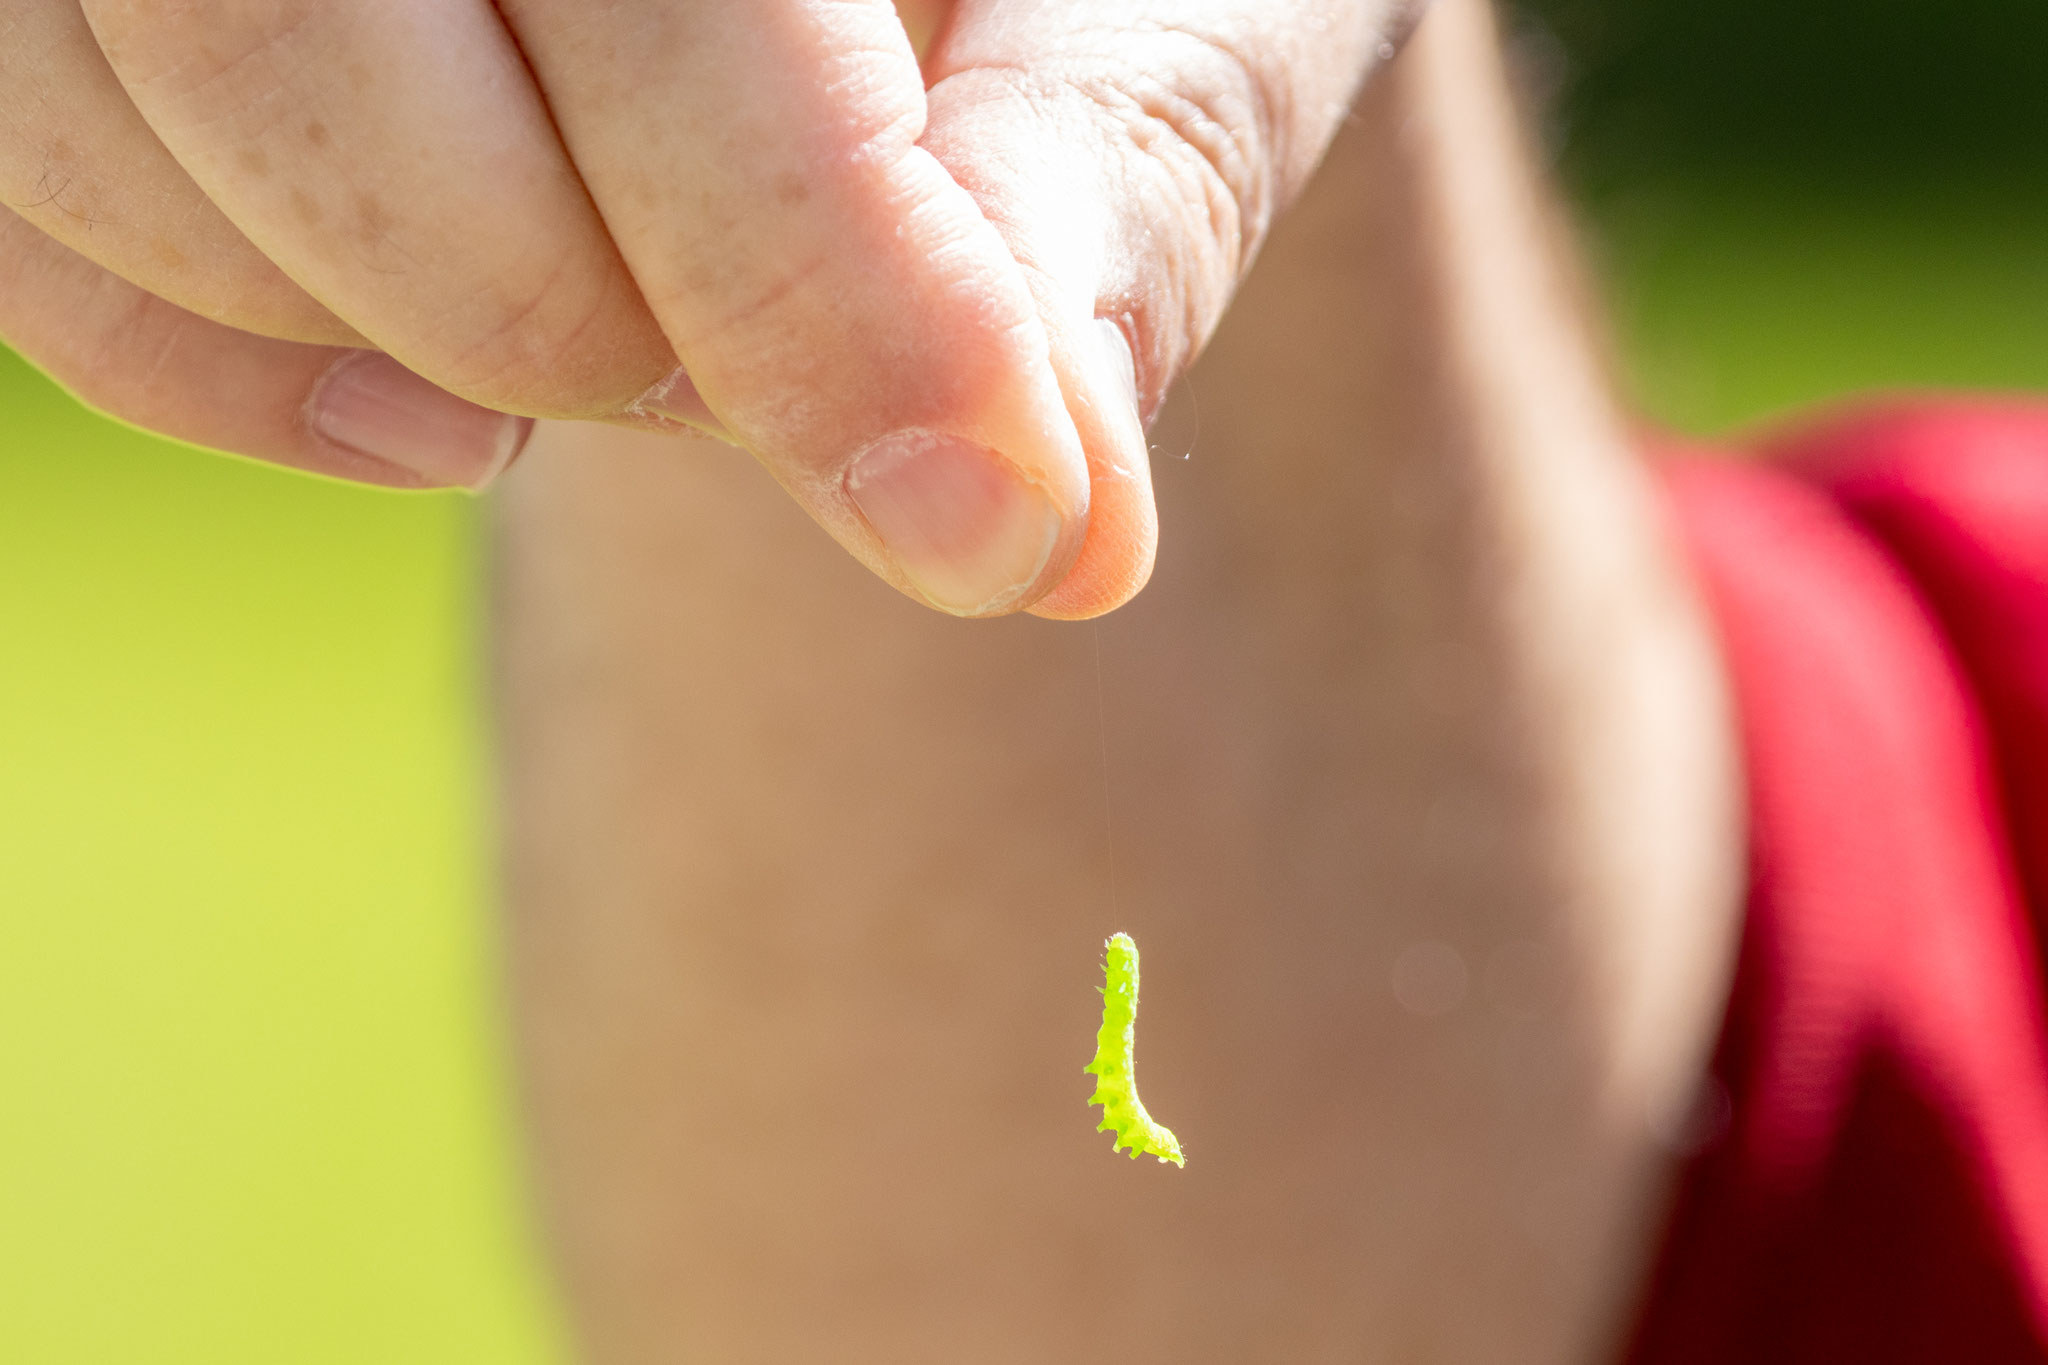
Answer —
1213 125
1195 130
1208 190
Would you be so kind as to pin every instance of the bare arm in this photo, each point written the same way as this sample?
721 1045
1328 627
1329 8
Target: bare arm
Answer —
808 884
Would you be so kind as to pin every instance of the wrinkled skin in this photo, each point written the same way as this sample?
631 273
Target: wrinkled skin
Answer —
1419 800
807 884
759 220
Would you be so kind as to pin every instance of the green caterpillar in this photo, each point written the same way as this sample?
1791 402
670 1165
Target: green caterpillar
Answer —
1115 1068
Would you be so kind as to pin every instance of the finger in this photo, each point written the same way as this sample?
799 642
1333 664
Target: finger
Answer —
78 161
1133 153
394 158
840 303
351 414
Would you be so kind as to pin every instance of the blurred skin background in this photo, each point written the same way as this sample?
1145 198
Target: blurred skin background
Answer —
250 1043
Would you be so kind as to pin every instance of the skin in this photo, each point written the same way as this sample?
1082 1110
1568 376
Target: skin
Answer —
768 221
79 162
1412 772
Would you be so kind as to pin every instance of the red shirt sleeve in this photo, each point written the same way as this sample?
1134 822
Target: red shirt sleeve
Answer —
1879 1193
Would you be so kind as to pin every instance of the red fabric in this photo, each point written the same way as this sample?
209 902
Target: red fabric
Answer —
1880 1192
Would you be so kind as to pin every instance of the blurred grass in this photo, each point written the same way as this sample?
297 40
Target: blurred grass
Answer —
1740 295
255 1102
255 1107
1794 202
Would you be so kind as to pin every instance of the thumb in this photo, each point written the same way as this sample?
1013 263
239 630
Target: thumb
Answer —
1132 154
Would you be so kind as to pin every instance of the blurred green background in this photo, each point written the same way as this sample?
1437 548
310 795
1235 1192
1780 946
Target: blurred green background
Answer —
1793 200
255 1093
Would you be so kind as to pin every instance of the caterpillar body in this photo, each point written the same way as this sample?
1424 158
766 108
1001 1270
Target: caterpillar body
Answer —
1114 1067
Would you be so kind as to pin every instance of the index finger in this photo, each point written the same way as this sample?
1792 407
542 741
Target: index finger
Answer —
841 304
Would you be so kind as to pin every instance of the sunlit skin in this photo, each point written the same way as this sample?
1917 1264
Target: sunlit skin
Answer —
766 220
797 868
800 873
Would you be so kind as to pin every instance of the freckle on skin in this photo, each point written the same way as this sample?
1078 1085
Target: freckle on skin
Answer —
316 133
790 191
305 205
167 254
253 161
60 150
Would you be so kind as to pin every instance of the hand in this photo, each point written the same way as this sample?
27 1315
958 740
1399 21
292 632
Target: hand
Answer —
796 967
348 234
212 169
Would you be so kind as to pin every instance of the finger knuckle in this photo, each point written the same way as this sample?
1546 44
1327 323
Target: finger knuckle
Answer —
1201 126
1212 125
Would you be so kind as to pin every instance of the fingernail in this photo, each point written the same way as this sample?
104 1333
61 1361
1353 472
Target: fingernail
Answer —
1116 354
371 404
961 523
675 400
